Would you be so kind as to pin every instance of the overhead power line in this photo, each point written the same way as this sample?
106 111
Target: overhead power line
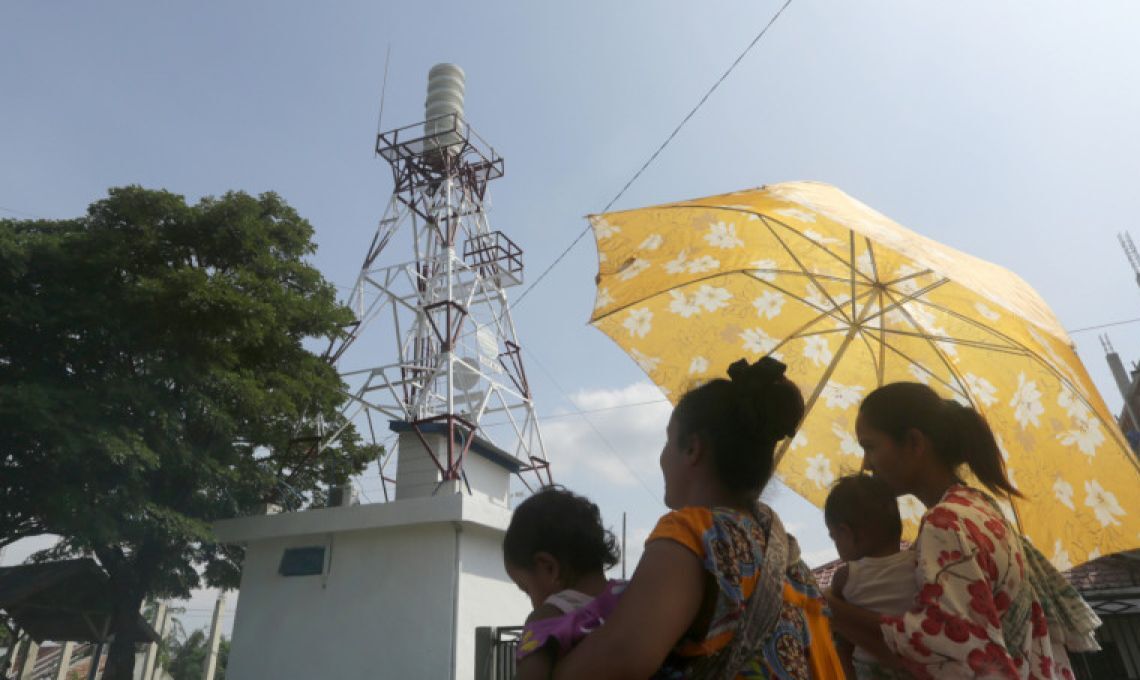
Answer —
656 153
1104 325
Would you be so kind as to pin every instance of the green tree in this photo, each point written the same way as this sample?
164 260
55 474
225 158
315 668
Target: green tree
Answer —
153 376
187 660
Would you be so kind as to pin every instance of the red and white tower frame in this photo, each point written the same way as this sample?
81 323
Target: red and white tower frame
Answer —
457 369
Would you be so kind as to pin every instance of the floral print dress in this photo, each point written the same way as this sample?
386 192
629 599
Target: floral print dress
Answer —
731 546
975 615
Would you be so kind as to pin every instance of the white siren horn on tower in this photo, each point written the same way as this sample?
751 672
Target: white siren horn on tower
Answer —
443 109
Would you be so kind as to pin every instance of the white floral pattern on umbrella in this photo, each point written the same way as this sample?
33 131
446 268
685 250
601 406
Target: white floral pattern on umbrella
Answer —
851 300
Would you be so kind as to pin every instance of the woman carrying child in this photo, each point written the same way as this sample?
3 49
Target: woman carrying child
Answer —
720 591
980 610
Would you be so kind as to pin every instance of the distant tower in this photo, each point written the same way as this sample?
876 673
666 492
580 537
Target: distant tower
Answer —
1130 252
456 362
403 589
1123 382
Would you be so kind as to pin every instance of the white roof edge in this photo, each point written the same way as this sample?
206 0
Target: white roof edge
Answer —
410 512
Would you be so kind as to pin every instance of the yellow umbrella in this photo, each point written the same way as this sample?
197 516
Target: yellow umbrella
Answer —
850 300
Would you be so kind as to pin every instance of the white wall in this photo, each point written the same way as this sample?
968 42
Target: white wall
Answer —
487 596
387 605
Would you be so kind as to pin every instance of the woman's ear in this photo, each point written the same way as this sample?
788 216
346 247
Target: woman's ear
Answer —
695 449
916 441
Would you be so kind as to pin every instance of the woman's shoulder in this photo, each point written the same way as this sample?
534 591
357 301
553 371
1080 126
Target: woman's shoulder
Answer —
690 518
970 515
960 502
685 526
697 527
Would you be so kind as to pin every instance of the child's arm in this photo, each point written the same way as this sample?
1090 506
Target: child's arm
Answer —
539 664
838 581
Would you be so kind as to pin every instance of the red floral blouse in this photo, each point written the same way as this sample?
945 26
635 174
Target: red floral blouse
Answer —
975 615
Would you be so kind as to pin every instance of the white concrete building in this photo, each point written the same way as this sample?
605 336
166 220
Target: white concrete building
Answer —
385 590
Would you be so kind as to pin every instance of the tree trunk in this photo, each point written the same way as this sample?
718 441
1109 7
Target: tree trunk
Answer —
128 593
121 653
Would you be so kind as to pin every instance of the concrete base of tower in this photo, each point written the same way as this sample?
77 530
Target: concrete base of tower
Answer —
382 590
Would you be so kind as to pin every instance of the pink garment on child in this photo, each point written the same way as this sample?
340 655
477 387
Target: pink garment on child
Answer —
569 629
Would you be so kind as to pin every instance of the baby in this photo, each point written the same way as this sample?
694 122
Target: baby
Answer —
862 518
556 551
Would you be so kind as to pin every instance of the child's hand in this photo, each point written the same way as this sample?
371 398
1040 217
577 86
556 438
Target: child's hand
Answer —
838 582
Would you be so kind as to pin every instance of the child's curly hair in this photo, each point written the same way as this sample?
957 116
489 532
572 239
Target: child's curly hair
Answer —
564 524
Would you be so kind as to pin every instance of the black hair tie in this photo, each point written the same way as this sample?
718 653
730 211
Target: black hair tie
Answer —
764 372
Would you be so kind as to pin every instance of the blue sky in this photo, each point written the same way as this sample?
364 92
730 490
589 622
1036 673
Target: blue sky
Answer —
1007 130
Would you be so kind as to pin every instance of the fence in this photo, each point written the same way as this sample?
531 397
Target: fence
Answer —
495 652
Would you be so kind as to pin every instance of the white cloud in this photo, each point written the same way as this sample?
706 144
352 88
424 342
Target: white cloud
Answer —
635 433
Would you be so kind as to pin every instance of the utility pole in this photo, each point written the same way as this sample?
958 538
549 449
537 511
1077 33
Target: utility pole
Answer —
159 624
623 545
215 637
64 661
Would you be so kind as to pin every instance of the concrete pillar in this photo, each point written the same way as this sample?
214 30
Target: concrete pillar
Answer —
215 637
13 655
28 663
162 633
64 661
159 624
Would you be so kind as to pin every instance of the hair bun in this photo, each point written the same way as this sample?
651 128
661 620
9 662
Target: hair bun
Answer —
768 400
764 372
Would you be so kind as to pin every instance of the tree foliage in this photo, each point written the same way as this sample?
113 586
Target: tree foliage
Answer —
187 657
154 378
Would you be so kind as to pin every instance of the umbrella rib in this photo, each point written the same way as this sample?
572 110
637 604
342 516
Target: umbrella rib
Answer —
1063 379
791 272
976 344
823 312
851 264
662 291
765 219
820 385
871 256
882 343
795 232
897 304
798 333
864 336
709 277
799 264
908 358
870 350
1113 428
938 351
882 366
976 324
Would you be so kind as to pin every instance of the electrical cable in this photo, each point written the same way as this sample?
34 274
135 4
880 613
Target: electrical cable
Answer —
656 153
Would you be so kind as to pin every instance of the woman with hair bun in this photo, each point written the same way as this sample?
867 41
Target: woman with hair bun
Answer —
983 594
720 591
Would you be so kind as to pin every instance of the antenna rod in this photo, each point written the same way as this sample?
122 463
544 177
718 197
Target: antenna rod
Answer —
383 92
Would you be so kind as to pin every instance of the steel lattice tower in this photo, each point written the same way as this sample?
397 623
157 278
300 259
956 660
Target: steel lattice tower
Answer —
457 362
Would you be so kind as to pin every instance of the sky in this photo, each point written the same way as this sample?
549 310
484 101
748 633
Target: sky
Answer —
1006 130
